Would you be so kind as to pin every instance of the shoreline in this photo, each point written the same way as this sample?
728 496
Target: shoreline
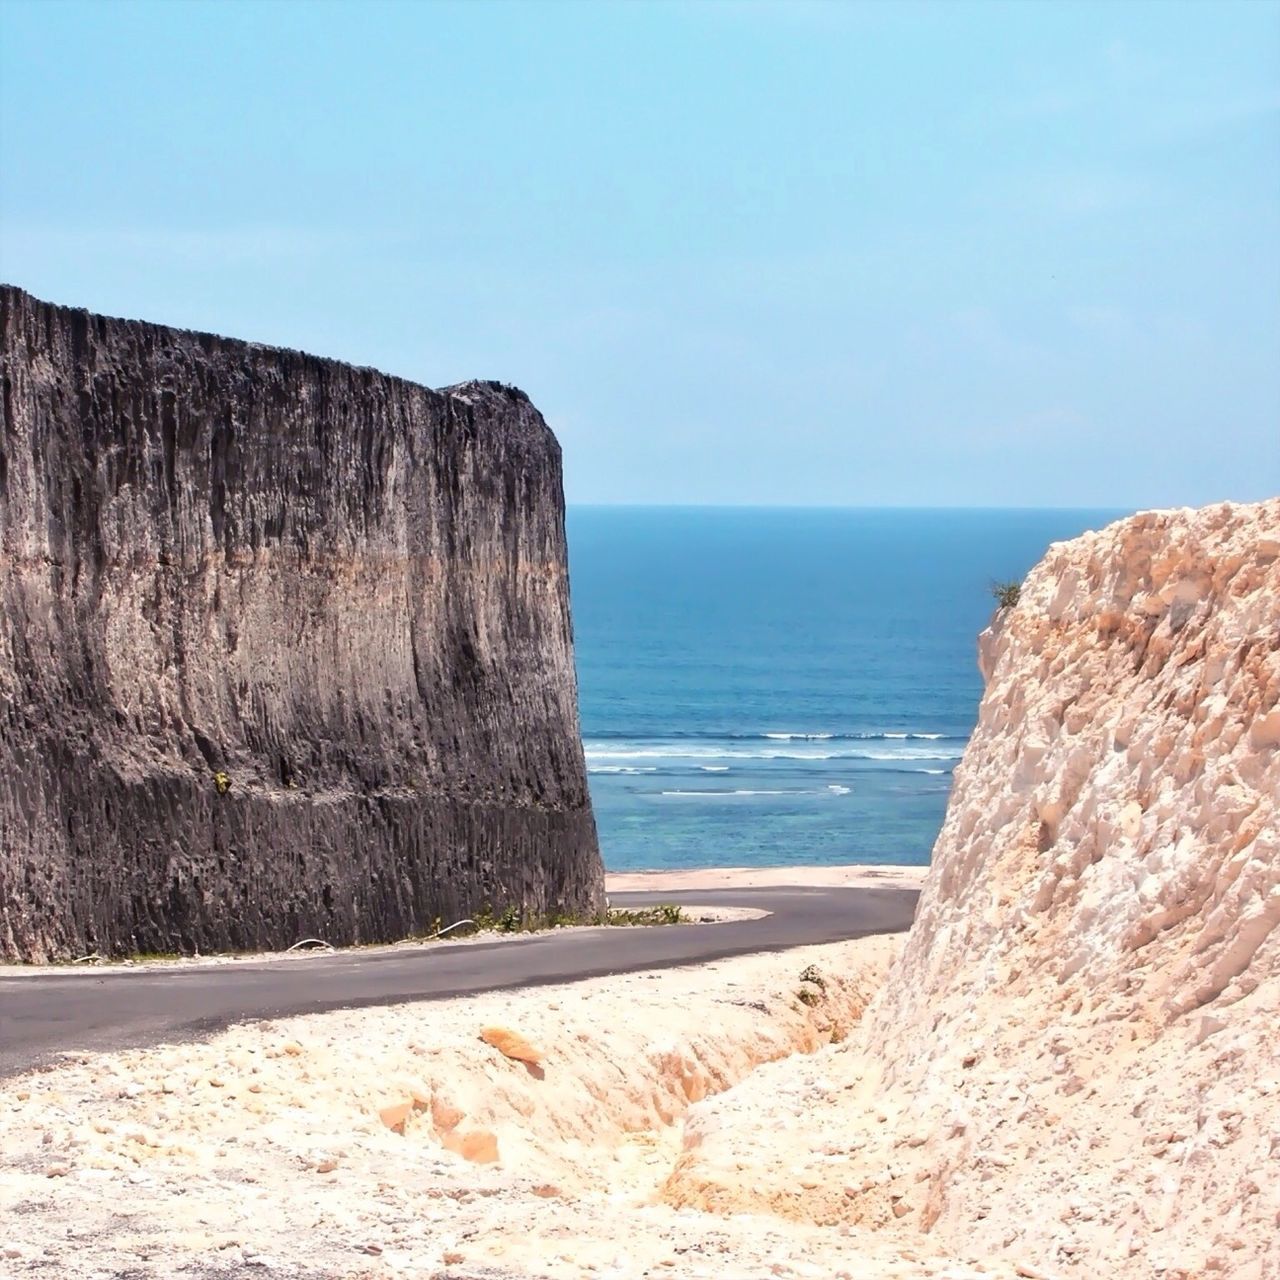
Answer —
799 876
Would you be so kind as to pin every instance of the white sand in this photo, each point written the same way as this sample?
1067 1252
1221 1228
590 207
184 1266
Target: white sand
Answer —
878 876
266 1152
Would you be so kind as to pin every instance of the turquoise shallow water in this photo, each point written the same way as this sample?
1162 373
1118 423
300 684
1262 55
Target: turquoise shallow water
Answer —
762 687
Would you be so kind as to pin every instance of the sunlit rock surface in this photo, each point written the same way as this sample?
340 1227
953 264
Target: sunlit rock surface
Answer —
1076 1060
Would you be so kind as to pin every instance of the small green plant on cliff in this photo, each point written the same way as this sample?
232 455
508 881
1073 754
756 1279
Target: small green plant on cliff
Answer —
510 920
1006 594
222 782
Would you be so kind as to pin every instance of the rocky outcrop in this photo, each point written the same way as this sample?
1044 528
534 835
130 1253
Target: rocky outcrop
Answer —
1087 1007
285 647
1076 1060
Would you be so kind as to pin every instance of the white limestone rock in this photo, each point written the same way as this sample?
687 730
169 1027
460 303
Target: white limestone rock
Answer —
1085 1021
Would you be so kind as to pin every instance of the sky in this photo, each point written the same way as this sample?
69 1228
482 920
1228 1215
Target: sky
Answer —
738 253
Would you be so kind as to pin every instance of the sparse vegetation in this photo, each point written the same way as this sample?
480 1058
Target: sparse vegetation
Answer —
484 920
1006 594
222 782
664 913
513 920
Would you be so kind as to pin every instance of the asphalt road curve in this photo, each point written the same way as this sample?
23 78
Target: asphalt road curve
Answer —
44 1014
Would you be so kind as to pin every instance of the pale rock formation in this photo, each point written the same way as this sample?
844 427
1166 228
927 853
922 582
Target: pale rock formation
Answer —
1076 1060
511 1044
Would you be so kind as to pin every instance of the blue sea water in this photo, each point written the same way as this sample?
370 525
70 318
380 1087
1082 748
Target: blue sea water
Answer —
768 686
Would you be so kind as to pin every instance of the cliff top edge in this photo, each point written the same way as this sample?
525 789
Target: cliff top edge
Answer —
15 298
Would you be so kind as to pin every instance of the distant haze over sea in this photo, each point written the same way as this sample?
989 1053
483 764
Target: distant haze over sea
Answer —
768 686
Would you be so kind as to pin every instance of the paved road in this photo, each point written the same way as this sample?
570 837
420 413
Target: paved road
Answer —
44 1014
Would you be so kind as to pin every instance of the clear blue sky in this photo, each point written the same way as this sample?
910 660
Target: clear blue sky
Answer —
1010 254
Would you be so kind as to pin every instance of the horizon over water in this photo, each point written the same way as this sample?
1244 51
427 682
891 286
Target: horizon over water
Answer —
766 685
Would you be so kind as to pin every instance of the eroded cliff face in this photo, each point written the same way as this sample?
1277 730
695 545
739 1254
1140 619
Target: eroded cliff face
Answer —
1091 991
285 647
1076 1060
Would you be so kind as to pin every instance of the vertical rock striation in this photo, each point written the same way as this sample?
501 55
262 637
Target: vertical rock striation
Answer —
285 647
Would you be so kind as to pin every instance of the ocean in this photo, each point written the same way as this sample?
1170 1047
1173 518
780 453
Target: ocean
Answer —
766 686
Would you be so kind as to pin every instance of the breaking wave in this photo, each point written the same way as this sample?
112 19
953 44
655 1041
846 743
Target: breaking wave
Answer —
732 749
743 791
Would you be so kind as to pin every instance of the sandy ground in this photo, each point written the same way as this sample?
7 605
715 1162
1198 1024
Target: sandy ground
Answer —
880 876
503 1136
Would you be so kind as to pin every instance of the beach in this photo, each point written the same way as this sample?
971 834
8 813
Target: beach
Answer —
848 876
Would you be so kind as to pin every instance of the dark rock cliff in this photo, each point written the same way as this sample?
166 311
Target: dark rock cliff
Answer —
285 647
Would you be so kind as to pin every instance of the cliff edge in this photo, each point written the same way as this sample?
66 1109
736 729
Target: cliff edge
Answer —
285 648
1075 1062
